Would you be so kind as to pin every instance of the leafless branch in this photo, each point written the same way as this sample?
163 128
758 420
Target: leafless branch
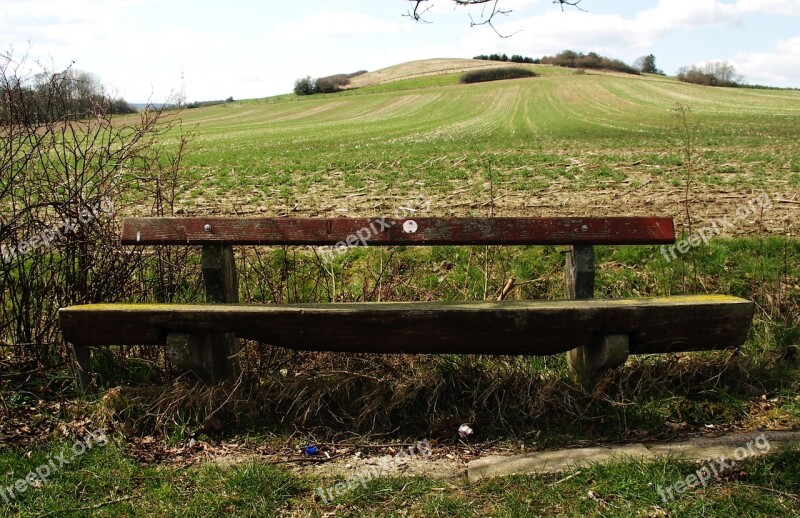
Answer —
491 9
416 14
574 4
488 19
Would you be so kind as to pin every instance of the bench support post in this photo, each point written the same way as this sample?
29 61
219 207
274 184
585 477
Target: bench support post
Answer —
82 357
211 357
588 361
580 272
219 275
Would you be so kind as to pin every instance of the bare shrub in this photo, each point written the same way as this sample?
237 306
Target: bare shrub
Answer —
332 84
716 73
495 74
65 172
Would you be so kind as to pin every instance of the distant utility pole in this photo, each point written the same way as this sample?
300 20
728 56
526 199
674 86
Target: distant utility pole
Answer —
182 98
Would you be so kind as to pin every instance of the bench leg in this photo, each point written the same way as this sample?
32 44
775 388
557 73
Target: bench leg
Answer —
579 272
82 357
208 357
213 356
588 362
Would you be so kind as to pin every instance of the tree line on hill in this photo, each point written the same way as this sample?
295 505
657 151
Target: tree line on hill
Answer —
714 73
647 65
569 59
516 58
81 93
203 104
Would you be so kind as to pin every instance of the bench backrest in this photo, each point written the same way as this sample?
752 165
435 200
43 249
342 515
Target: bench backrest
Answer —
389 232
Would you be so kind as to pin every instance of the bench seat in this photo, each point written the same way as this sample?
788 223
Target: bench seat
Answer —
539 327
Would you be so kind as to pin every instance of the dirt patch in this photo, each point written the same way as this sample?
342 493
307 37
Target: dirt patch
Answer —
453 461
639 195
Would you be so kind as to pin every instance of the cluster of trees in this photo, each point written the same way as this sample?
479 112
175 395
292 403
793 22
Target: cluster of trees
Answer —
715 73
495 74
80 94
647 65
516 58
324 85
571 59
592 60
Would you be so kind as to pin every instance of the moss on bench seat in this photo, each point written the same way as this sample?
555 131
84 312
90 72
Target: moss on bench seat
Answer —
540 327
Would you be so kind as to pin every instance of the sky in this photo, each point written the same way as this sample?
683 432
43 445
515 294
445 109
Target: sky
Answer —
249 49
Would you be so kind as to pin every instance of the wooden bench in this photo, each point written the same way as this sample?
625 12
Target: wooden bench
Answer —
596 334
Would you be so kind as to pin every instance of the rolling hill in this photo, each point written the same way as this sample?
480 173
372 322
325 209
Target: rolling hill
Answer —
564 142
422 68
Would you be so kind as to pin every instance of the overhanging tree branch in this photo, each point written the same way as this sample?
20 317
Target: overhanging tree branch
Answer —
488 19
571 4
490 9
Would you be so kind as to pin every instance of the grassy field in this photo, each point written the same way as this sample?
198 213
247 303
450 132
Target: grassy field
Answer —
563 143
109 483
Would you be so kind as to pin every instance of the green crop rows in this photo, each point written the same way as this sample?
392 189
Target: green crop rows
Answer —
435 133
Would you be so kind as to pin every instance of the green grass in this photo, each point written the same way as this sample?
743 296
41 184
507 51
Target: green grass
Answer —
432 133
106 482
107 475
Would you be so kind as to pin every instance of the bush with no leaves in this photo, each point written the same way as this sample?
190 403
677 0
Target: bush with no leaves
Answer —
496 74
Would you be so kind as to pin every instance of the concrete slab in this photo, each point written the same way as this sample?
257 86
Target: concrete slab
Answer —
552 461
736 446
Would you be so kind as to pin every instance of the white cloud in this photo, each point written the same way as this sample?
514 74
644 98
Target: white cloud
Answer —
674 14
620 36
320 25
555 31
784 7
61 21
252 49
781 67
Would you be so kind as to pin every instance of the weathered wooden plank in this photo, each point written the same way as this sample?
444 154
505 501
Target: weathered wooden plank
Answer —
219 274
654 325
385 231
579 271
